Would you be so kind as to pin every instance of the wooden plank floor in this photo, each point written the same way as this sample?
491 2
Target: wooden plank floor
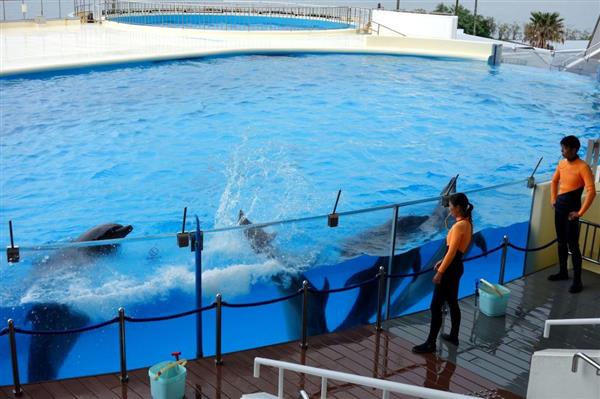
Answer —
500 348
361 351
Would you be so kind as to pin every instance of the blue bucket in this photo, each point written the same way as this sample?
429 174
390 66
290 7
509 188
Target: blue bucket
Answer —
492 304
170 384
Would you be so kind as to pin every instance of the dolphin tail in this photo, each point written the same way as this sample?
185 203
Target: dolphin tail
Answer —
316 305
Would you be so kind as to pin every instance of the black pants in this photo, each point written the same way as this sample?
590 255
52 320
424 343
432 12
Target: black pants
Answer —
567 234
446 291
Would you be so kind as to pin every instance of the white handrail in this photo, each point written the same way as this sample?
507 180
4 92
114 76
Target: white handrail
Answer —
582 59
384 385
568 322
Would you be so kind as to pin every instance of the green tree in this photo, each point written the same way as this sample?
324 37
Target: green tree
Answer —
543 28
485 26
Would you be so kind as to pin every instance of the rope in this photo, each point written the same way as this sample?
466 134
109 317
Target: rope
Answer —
410 274
532 249
63 332
334 290
169 317
260 303
491 251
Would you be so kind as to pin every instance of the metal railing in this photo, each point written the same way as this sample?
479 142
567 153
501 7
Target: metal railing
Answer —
379 26
385 386
221 16
586 358
568 322
40 10
590 252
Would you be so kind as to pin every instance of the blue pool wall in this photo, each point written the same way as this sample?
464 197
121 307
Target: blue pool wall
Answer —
246 328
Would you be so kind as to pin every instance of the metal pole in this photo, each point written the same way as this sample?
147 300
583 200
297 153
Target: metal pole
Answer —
397 5
303 344
198 262
381 276
59 10
475 20
503 259
218 359
18 391
391 262
42 8
456 8
124 376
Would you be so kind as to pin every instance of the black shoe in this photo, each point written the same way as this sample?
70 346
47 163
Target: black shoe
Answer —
575 288
424 348
450 338
558 277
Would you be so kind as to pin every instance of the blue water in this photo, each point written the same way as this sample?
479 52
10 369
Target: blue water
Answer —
231 22
276 136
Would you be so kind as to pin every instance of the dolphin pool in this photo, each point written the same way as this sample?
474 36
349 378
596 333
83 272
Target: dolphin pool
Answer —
276 136
232 22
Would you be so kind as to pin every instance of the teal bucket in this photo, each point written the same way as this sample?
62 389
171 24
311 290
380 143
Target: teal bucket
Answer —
170 384
492 304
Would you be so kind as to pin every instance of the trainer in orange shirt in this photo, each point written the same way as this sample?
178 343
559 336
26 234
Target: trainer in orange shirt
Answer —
448 273
571 177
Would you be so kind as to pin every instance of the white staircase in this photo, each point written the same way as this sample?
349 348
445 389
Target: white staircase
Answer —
565 373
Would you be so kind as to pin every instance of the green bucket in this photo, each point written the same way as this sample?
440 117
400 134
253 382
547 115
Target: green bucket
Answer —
170 384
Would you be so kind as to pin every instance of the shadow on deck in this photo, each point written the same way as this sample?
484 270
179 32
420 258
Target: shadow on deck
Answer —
500 348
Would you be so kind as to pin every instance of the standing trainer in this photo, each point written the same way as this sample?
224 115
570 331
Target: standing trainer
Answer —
571 177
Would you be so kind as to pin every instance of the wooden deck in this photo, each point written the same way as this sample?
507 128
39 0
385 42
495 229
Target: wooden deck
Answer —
361 351
500 348
492 360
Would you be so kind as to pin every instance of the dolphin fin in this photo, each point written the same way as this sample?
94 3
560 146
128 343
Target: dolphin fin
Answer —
480 242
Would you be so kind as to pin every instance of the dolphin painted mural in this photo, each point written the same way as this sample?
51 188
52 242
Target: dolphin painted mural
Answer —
262 243
47 353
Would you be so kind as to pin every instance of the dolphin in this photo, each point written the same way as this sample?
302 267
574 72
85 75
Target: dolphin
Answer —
376 241
107 231
47 353
290 281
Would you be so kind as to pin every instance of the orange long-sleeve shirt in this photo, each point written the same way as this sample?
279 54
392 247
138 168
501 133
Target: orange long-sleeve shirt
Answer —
570 176
459 238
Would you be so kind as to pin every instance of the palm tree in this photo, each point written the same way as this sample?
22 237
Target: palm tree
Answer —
543 28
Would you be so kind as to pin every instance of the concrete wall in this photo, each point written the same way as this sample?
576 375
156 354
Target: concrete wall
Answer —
414 25
434 47
551 376
542 230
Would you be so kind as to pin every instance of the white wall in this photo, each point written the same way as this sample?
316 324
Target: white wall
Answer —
550 375
414 25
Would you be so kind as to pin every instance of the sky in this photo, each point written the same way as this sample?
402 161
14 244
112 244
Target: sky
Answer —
577 14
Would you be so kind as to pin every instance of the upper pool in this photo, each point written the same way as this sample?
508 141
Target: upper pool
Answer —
232 22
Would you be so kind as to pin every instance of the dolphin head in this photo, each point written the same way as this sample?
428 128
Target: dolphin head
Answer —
106 231
448 190
117 231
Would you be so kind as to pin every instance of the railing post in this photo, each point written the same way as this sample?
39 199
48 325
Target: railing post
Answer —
304 344
18 391
391 262
503 259
124 376
381 276
218 359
